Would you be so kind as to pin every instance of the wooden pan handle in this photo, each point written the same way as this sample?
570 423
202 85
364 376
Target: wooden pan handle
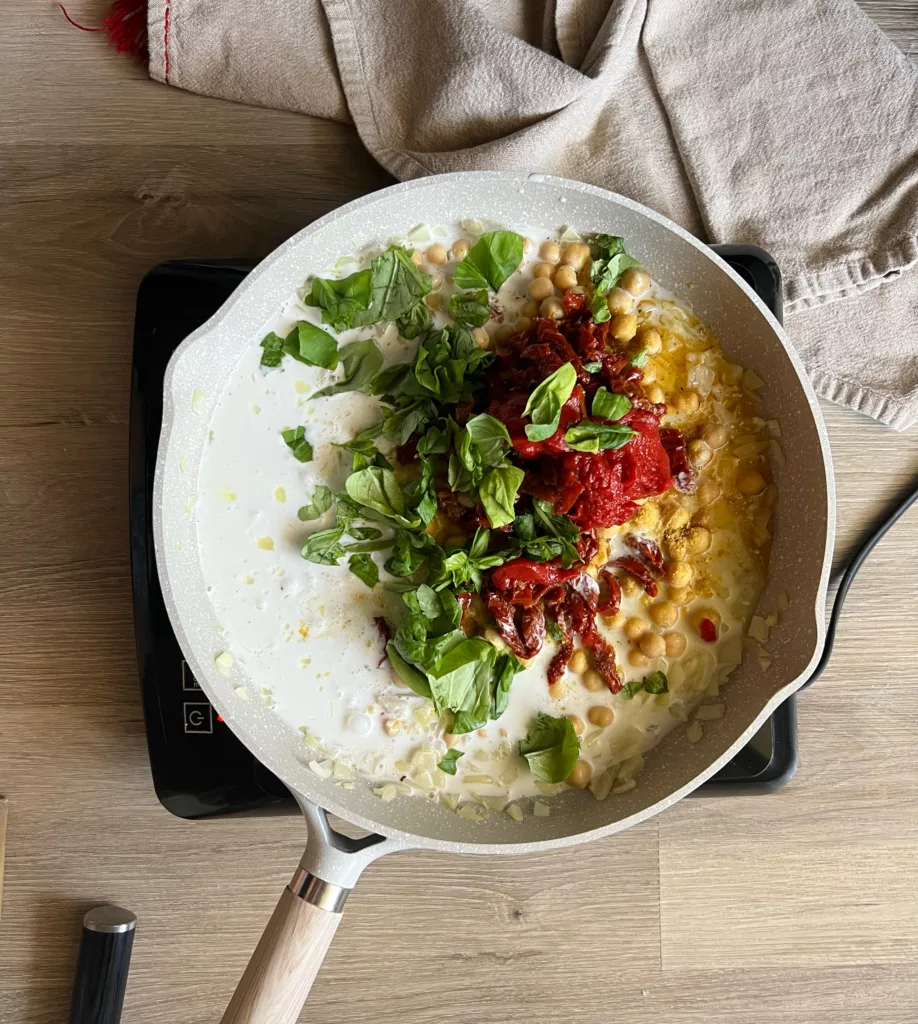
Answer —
288 957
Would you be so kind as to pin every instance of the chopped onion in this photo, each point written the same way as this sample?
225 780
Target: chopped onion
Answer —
694 732
625 787
472 813
480 779
449 800
324 769
241 692
758 629
198 401
713 690
540 810
515 811
342 770
568 234
710 712
701 379
509 774
601 785
678 712
497 802
419 233
224 663
777 454
783 601
774 428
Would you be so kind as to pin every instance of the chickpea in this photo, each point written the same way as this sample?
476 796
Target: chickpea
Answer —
540 288
636 627
681 596
703 517
650 374
436 254
530 310
649 338
550 252
630 587
580 777
481 338
678 520
750 481
504 332
578 724
687 401
619 301
543 270
576 290
578 662
524 323
653 645
623 326
699 540
699 453
592 680
528 246
576 255
565 277
677 547
417 257
600 715
433 301
436 280
556 691
715 435
616 620
675 644
680 574
657 395
648 515
638 659
636 281
664 614
552 308
449 739
460 249
708 492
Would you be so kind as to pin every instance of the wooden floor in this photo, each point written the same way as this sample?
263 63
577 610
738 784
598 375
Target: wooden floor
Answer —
799 908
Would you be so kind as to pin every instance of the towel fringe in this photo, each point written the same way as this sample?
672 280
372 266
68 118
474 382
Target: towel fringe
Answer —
125 24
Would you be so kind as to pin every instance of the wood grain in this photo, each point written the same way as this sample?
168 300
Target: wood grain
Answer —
797 908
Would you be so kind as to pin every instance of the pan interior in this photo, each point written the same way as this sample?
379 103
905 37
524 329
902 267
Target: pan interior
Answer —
803 526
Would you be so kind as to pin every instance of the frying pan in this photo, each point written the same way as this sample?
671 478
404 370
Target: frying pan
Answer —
284 965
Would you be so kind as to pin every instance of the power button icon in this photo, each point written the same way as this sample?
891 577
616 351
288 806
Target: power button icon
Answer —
199 717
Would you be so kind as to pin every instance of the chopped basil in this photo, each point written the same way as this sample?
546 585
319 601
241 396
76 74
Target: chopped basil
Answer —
470 308
412 677
490 261
340 299
606 270
361 361
321 503
415 321
364 568
272 350
310 344
460 681
592 367
295 440
551 747
595 437
545 402
554 630
324 547
656 682
505 668
378 490
447 763
409 553
396 286
498 491
609 405
639 358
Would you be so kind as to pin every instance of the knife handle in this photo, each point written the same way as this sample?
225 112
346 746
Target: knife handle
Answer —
102 966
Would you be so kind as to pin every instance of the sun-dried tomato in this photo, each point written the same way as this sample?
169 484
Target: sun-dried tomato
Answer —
613 599
450 505
603 660
382 627
639 570
684 476
558 664
707 630
523 570
649 551
573 302
525 639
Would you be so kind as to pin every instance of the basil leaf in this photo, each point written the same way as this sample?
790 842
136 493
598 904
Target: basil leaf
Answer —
321 503
609 405
608 245
295 440
377 489
505 669
447 763
324 547
272 350
564 530
480 543
595 437
631 688
498 491
490 261
434 442
460 681
605 271
490 437
415 321
363 444
400 423
656 682
407 555
428 601
554 630
592 367
639 358
396 285
365 569
551 747
363 546
310 344
339 299
470 308
412 677
545 402
390 380
418 642
361 361
599 307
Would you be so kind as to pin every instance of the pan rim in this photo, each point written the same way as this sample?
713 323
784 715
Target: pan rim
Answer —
202 672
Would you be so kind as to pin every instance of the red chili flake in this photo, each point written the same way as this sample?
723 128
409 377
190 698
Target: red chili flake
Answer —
636 568
382 627
708 631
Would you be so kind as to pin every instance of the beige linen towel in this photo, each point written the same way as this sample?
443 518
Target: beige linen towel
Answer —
792 124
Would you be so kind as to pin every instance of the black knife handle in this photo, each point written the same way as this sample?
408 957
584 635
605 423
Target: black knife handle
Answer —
102 966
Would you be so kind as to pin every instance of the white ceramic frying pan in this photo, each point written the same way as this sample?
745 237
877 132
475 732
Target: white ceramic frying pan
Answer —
281 971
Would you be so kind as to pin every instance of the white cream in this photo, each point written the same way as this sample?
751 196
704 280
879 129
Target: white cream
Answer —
305 633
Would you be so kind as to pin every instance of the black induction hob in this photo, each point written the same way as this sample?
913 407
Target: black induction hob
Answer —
199 767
